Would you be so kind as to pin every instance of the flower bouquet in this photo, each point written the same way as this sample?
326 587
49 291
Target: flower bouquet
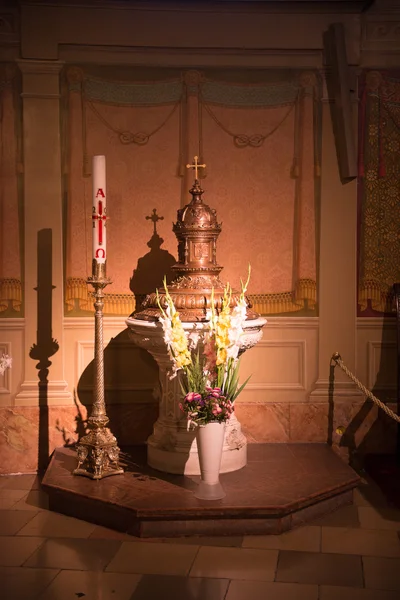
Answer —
5 363
208 361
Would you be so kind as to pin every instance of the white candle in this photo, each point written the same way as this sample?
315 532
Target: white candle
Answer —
99 209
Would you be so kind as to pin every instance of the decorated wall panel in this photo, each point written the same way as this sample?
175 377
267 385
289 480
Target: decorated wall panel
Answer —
260 140
379 201
10 212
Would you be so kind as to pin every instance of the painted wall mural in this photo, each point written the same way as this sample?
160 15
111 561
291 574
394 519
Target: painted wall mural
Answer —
379 196
10 170
260 141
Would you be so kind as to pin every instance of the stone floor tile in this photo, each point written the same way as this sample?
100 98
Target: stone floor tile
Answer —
153 559
366 542
103 533
333 592
261 590
92 585
198 540
18 583
12 521
311 567
34 500
383 518
18 482
307 538
382 573
48 524
345 516
14 551
369 494
82 555
158 587
9 498
235 563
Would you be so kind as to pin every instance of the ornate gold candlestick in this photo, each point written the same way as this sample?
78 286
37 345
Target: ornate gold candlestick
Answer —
98 452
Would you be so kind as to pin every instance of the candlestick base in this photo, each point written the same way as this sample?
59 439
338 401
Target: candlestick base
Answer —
98 455
98 452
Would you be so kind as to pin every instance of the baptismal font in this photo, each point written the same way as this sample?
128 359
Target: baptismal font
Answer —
172 448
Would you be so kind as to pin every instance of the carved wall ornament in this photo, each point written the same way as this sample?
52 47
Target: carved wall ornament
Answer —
308 79
373 80
383 31
75 75
192 77
7 24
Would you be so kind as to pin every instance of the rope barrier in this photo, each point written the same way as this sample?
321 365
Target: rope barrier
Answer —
338 360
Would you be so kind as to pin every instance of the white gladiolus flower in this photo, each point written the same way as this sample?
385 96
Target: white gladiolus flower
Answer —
5 363
194 339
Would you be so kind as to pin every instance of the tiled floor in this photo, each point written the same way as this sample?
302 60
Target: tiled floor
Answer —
353 553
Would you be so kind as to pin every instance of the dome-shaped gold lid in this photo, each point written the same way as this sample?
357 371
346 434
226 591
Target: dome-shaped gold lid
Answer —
197 270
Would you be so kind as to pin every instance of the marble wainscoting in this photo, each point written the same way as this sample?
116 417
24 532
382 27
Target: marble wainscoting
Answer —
25 432
351 426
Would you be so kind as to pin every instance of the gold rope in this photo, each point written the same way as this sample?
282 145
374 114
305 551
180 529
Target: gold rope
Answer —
203 172
295 170
316 131
127 137
86 167
182 135
338 360
240 139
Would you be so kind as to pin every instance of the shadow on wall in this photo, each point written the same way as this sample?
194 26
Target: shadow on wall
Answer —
372 438
152 267
45 345
131 390
131 376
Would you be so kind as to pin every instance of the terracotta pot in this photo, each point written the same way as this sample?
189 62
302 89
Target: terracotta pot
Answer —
210 440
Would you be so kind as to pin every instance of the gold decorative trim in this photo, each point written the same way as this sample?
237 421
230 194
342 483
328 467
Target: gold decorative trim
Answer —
77 292
10 294
381 299
78 295
286 302
306 289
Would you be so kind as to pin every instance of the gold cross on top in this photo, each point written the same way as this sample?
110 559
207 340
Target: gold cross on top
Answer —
196 167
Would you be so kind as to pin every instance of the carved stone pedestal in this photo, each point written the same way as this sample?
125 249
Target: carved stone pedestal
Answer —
172 448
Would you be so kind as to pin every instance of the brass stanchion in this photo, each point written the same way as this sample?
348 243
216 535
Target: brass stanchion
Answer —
98 452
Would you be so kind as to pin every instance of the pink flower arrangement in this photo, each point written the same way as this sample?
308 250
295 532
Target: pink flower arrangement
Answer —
207 407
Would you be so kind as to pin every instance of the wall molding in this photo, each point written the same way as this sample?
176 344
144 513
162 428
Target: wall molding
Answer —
5 380
300 384
11 324
376 322
373 367
76 323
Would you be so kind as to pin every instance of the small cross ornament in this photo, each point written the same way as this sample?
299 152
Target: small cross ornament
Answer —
196 167
154 217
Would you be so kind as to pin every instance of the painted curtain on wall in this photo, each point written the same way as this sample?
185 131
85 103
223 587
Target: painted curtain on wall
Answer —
379 195
10 259
261 144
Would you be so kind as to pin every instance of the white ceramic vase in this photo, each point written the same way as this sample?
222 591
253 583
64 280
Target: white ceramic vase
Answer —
210 440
